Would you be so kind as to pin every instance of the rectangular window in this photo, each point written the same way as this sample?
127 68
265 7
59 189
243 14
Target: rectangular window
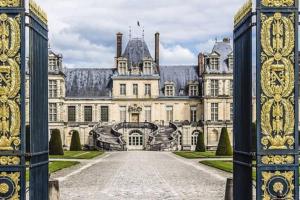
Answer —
52 88
135 89
104 113
193 114
193 90
169 113
88 113
231 112
147 68
214 112
122 68
231 88
122 114
52 112
122 89
214 88
214 63
147 89
169 90
71 113
148 114
230 62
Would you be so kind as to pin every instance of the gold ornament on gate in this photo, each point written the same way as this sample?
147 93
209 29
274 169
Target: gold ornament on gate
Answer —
277 81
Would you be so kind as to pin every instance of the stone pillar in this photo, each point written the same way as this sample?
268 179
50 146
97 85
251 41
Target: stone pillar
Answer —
54 190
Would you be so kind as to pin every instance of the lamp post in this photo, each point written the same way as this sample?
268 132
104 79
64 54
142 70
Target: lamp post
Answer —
206 135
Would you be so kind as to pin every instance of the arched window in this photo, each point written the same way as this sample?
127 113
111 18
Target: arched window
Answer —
195 137
136 139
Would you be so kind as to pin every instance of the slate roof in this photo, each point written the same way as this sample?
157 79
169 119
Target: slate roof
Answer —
135 51
180 75
88 82
224 49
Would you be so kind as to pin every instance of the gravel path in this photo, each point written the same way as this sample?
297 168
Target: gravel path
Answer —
142 176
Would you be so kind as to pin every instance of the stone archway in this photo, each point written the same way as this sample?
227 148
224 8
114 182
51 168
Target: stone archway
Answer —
135 140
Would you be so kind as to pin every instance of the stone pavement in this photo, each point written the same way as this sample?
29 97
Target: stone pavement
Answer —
142 176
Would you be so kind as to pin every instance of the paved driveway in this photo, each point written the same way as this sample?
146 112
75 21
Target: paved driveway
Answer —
143 175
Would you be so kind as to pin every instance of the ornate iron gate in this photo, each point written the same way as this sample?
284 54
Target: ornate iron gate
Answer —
277 71
12 101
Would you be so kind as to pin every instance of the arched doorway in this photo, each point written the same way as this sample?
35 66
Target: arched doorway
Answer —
194 139
135 140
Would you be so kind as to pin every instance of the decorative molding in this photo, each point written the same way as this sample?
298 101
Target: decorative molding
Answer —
278 184
9 185
38 11
10 82
278 3
277 159
10 3
277 81
243 12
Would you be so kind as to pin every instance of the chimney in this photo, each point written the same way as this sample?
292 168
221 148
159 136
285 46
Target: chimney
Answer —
201 63
119 44
157 48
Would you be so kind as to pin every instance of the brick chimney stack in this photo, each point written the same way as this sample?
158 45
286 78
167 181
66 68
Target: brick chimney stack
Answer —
157 48
201 63
119 44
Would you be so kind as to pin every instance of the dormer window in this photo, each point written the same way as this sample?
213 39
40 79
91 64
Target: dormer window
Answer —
147 67
194 91
122 67
169 89
214 63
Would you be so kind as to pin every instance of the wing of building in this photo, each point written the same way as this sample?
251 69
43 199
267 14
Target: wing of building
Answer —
140 104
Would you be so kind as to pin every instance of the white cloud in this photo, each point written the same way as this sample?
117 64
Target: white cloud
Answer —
84 31
177 55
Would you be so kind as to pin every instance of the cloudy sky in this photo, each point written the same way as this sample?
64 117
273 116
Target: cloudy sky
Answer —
84 30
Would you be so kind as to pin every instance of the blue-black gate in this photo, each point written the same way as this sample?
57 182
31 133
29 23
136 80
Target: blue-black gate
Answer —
38 79
277 71
242 103
15 73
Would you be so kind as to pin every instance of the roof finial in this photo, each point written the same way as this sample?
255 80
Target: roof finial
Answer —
130 32
143 34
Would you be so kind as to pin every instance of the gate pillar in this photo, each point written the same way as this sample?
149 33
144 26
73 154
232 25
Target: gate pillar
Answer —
277 78
277 100
12 100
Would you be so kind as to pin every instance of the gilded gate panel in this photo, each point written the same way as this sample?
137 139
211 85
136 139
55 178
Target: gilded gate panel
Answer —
277 145
10 101
277 81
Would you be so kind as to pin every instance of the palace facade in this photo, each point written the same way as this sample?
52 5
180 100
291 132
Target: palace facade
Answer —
140 104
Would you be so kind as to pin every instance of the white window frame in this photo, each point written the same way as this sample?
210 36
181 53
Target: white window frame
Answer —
123 114
147 89
193 114
214 112
170 113
169 90
214 87
53 89
123 89
214 63
194 90
148 114
52 112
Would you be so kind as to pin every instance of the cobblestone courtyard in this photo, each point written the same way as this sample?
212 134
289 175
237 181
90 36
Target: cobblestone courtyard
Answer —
142 175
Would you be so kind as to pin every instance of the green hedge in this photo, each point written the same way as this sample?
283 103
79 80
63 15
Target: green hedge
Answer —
55 144
75 142
200 147
224 146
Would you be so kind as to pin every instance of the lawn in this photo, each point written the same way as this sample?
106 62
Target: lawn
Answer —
56 166
79 155
195 155
226 166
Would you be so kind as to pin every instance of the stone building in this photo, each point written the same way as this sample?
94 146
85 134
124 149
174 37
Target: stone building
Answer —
138 103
